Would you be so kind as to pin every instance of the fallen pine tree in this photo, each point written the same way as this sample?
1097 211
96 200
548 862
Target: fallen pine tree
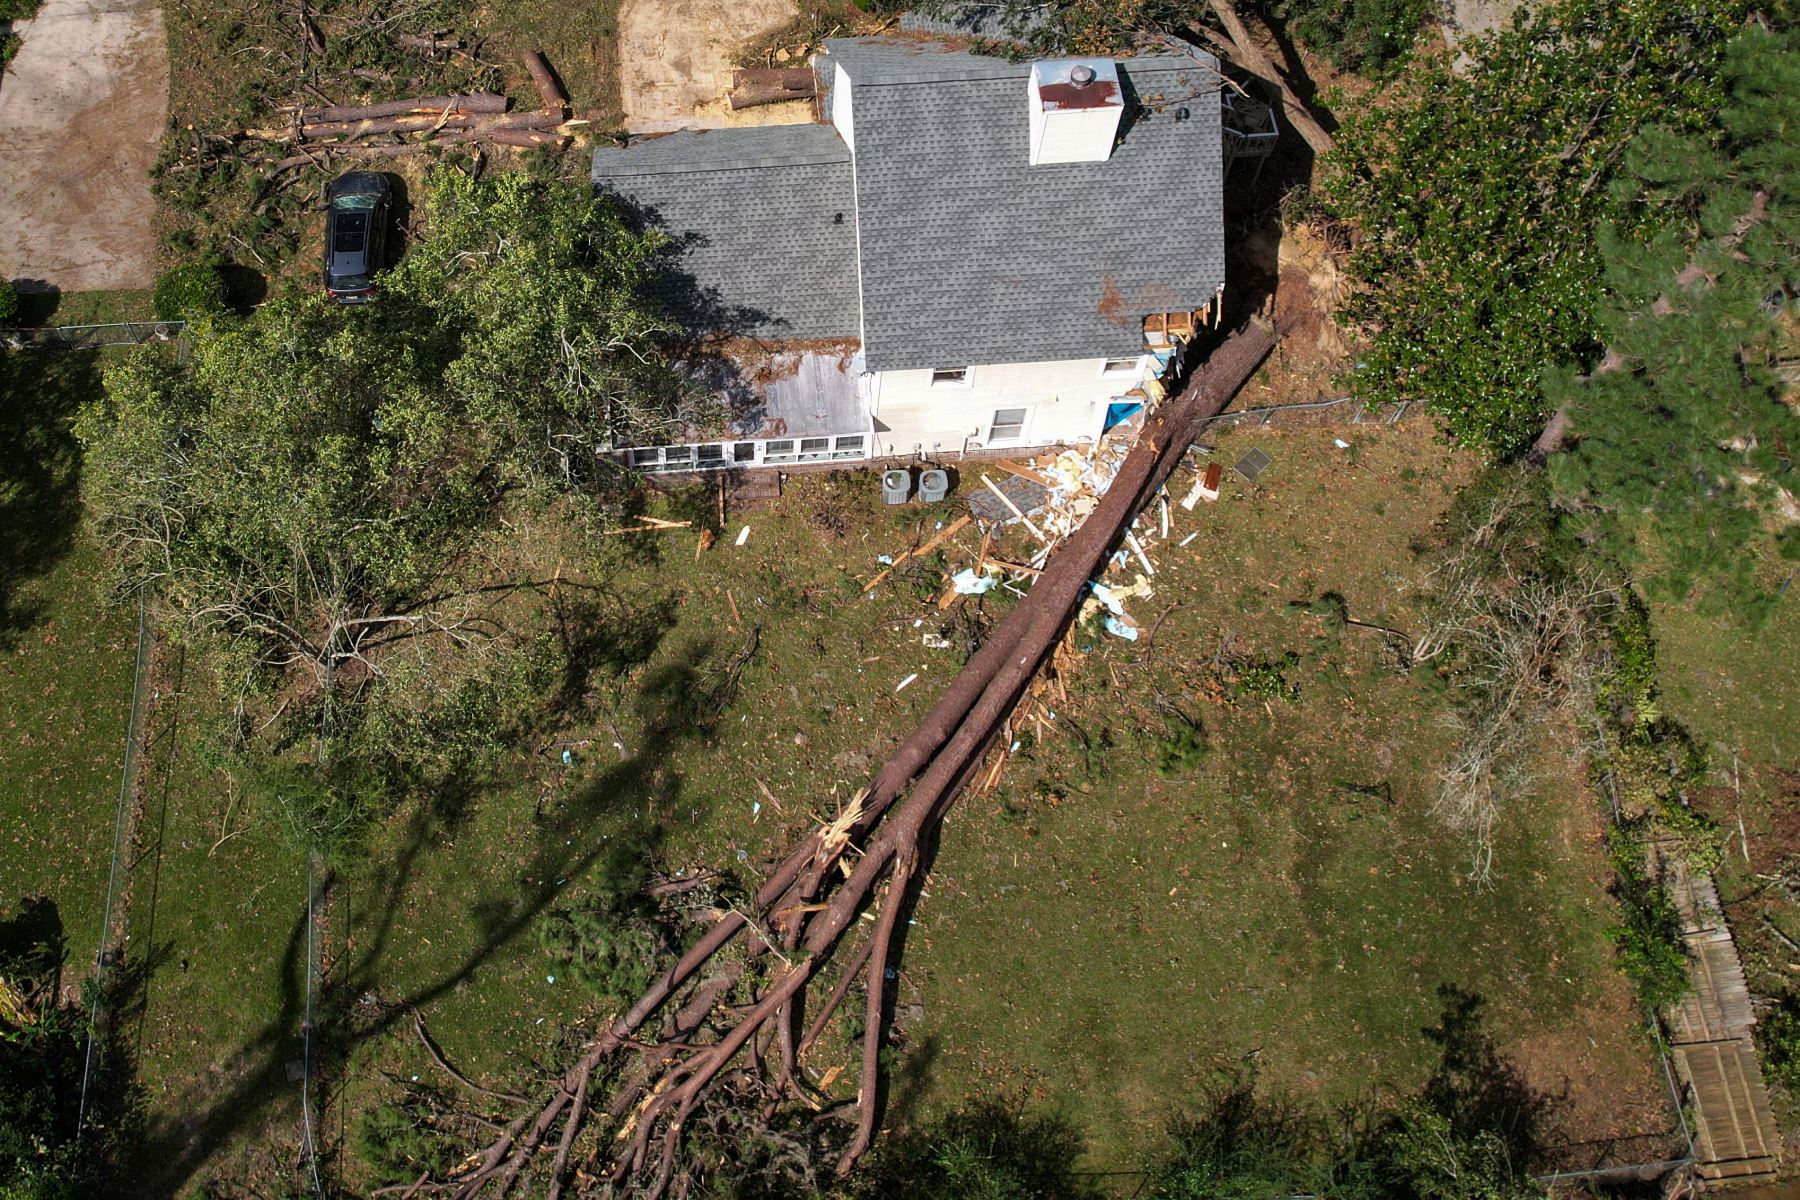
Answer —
865 862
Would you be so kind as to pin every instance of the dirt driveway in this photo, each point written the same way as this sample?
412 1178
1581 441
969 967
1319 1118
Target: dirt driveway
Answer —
81 112
675 59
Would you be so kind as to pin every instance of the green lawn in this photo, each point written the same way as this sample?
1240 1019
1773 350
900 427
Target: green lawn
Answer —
65 686
1100 937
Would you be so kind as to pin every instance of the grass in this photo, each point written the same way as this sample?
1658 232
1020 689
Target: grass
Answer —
85 308
65 687
235 65
1097 934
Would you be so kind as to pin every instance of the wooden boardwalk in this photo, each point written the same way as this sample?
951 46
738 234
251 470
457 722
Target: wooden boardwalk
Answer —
1710 1038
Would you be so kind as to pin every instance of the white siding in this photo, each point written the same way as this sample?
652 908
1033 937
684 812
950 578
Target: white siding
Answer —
1065 401
841 112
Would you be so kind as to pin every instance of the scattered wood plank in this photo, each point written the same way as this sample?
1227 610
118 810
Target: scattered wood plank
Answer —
943 535
1024 472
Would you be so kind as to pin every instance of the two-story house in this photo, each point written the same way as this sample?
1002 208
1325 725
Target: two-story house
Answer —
962 253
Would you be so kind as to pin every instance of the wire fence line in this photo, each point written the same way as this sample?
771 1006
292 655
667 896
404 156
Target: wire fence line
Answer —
112 922
315 945
89 337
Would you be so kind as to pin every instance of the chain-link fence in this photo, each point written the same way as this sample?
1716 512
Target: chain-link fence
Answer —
92 337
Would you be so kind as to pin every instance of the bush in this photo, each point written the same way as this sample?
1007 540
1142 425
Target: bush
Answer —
9 303
1366 36
1778 1041
189 292
1648 941
19 10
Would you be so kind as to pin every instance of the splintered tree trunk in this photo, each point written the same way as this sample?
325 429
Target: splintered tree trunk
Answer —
869 857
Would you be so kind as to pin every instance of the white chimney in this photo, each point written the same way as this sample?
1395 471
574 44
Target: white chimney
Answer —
1076 104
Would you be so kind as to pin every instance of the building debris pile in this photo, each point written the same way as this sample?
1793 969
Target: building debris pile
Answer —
734 1029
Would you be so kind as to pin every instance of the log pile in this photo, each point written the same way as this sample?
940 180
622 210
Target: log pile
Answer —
750 88
425 121
743 1027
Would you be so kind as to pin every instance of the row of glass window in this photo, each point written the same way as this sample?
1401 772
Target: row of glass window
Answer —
709 456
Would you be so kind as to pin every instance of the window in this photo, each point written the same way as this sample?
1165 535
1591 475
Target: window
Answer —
677 454
1120 366
815 447
744 452
711 454
1008 425
646 458
850 446
778 451
950 377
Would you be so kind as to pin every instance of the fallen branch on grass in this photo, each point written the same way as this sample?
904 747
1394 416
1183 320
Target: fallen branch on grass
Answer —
870 857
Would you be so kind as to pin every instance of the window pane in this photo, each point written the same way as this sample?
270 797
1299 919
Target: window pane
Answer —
1007 423
853 442
949 375
814 445
744 452
646 458
1120 366
711 453
677 454
781 447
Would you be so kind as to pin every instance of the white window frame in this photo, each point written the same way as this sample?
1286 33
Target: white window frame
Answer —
1110 368
964 377
995 423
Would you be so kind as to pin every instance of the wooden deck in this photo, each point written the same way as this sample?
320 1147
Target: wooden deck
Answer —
1710 1035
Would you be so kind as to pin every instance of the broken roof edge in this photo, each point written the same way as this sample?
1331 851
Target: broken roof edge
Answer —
889 60
744 148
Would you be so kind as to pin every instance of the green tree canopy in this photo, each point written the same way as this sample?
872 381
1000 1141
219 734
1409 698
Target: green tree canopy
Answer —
1478 192
317 497
1683 445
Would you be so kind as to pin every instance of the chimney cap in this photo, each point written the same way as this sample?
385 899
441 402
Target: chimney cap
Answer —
1080 75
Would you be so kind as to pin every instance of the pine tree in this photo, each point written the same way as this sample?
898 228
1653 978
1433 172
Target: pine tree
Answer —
1684 444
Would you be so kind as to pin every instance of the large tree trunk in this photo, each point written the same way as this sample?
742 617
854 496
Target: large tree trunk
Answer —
943 753
1247 53
474 102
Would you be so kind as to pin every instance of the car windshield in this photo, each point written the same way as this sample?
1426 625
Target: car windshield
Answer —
365 201
347 283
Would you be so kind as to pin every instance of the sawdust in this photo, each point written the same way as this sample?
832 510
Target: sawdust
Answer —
81 112
676 58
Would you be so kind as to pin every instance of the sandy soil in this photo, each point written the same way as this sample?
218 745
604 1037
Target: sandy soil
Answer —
675 60
81 111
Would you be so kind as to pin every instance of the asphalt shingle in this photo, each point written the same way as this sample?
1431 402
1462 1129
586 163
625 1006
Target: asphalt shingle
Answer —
972 255
763 226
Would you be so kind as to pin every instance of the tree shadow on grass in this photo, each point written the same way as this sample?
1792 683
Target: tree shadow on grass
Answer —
625 799
1474 1087
40 472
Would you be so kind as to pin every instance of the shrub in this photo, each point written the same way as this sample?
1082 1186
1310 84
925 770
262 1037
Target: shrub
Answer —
195 290
1648 941
1778 1041
1366 36
9 303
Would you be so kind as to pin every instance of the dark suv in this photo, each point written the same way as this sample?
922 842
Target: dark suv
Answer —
356 222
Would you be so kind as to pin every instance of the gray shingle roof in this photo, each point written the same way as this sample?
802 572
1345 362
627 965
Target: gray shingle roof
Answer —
971 255
763 222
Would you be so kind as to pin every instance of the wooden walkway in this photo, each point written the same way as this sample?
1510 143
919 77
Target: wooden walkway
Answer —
1711 1042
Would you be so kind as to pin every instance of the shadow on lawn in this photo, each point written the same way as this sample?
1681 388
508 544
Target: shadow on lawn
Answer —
40 471
677 700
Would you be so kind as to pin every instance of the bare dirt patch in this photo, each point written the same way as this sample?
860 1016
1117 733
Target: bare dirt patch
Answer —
81 111
676 57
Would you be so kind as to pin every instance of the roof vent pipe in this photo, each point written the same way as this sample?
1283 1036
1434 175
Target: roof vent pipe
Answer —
1081 75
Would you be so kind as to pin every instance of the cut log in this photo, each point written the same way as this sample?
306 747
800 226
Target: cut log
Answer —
1250 56
522 120
431 44
549 90
753 87
530 139
473 102
408 124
